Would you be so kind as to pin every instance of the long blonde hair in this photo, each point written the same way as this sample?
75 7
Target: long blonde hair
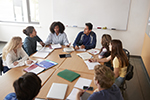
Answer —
11 45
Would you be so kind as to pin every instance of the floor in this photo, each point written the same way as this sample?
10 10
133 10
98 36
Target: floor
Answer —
138 88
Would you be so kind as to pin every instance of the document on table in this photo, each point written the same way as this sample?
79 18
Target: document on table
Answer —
41 54
55 46
46 49
91 65
82 82
81 50
37 70
84 55
93 51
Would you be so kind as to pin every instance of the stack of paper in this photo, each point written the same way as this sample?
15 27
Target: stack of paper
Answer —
40 54
84 55
70 49
57 91
94 51
55 46
91 65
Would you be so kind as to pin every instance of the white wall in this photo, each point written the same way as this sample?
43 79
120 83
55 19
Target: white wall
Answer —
132 38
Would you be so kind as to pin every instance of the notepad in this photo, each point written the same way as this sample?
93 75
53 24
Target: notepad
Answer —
82 82
91 65
41 54
84 55
72 95
57 91
55 46
68 75
69 49
94 51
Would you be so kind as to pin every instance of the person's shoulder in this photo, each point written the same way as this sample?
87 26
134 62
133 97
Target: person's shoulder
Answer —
104 49
96 96
11 96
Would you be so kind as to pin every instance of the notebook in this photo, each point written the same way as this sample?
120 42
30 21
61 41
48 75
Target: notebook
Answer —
55 46
41 66
91 65
57 91
84 55
68 50
68 75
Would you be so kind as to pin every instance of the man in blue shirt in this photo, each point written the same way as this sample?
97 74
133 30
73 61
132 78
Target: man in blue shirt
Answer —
86 39
106 89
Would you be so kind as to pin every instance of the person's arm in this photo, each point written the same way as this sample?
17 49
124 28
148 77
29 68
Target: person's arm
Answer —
79 93
77 40
116 67
93 44
49 39
9 62
65 40
103 52
27 46
37 38
100 60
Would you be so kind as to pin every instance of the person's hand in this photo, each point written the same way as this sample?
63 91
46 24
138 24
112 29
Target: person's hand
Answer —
82 47
68 45
29 61
43 44
15 63
92 60
79 93
96 90
76 47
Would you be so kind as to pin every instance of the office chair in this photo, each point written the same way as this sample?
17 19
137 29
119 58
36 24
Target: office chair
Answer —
1 64
127 53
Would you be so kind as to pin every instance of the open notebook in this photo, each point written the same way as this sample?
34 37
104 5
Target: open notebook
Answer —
84 55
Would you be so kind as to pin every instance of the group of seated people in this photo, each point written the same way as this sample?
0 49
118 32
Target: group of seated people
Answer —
111 54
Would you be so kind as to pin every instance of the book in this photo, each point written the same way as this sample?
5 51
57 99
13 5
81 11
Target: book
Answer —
41 66
57 91
84 55
91 65
68 75
55 46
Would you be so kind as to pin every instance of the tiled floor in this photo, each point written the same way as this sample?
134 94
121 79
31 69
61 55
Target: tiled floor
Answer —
138 88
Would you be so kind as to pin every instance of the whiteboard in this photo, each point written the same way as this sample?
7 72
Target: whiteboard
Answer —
103 13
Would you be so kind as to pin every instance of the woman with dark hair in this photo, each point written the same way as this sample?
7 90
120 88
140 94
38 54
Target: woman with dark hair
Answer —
26 87
57 35
30 42
118 59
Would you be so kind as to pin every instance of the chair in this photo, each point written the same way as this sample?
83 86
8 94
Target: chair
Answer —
128 77
1 64
127 53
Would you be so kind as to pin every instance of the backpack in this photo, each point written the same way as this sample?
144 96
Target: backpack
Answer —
130 72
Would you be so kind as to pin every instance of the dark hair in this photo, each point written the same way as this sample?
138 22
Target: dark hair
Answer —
90 26
28 30
104 75
27 86
106 38
59 24
117 51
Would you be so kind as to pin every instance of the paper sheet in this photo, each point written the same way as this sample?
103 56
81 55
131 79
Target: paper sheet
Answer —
91 65
46 49
84 55
37 70
81 50
55 46
93 51
72 95
41 54
82 82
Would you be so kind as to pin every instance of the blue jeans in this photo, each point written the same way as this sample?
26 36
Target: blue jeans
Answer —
5 69
119 81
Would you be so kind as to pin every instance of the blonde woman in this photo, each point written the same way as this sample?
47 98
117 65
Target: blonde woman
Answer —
13 55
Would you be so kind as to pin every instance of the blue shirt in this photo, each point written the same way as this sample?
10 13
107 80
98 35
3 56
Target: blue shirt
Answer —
30 44
112 93
88 41
11 96
61 38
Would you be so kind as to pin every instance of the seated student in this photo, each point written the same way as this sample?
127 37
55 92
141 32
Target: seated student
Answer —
106 89
13 55
26 87
119 60
86 39
29 43
57 35
105 40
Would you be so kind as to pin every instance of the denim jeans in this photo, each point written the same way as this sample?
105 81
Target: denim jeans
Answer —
119 81
5 69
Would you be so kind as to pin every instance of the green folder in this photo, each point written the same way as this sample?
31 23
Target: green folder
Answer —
68 75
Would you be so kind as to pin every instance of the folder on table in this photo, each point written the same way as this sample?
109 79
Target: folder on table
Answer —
68 75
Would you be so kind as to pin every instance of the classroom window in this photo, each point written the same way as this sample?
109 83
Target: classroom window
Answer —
20 11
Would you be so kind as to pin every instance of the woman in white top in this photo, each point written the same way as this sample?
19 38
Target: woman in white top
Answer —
13 55
57 35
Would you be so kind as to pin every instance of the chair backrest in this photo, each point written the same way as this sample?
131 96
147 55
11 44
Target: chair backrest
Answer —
130 72
127 53
1 65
